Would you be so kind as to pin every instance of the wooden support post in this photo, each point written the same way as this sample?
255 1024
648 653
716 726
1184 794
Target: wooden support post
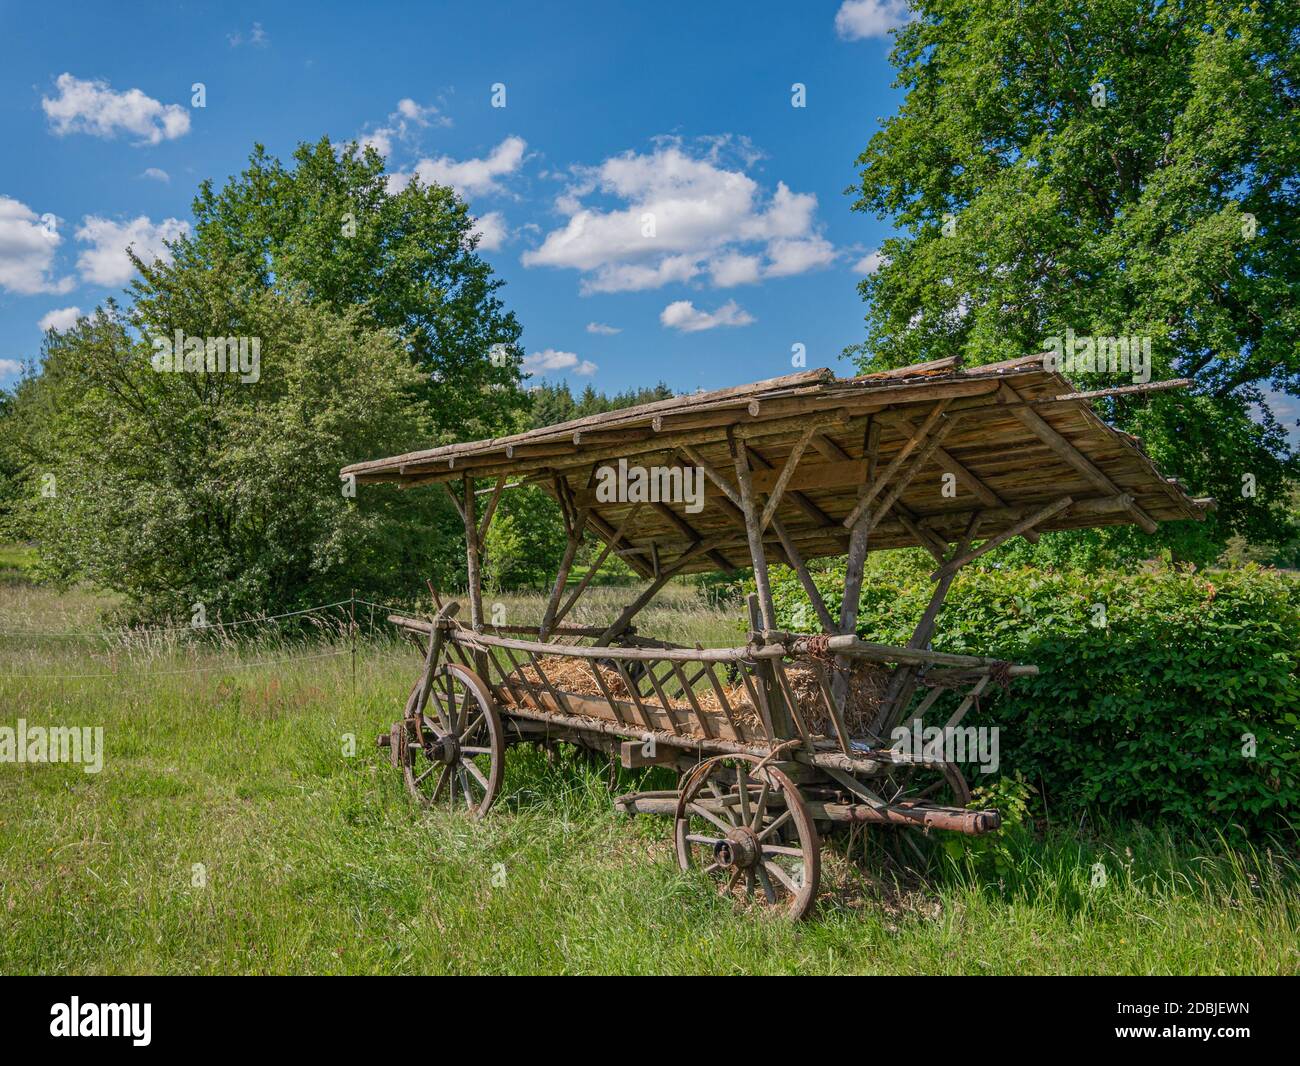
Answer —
575 523
472 548
762 686
903 683
805 578
858 537
753 532
857 558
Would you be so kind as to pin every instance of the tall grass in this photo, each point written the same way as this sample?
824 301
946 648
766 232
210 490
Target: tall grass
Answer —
235 829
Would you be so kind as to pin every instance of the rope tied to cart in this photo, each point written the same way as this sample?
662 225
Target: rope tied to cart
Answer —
818 649
999 673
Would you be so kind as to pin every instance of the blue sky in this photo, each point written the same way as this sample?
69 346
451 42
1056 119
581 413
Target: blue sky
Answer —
612 111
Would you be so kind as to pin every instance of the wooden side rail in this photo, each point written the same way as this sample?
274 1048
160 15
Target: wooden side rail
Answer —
775 645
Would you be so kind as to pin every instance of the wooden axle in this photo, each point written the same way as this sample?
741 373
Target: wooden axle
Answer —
952 819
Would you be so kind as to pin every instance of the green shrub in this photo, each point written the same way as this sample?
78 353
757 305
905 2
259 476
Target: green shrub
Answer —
524 542
1154 688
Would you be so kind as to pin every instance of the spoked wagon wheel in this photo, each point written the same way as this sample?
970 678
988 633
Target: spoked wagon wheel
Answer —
746 826
454 750
932 784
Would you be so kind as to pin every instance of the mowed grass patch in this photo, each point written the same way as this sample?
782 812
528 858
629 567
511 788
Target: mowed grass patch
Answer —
235 829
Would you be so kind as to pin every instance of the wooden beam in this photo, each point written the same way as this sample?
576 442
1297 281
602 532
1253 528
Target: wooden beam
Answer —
986 495
918 464
491 508
934 544
1122 390
787 471
1041 515
691 533
798 498
472 547
909 445
1032 421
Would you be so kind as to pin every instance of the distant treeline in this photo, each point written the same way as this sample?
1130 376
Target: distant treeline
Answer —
555 403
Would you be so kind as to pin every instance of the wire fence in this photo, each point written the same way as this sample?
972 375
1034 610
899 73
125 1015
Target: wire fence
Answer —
137 632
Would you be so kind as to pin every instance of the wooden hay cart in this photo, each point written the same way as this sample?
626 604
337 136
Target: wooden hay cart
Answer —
788 735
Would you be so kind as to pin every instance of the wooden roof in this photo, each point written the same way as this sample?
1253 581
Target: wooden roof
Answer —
1015 437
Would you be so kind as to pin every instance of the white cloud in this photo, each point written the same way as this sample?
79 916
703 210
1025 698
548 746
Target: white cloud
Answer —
735 269
492 231
10 368
681 215
602 330
156 174
106 262
469 177
256 37
549 359
858 19
683 315
871 262
400 125
93 107
60 318
27 246
799 255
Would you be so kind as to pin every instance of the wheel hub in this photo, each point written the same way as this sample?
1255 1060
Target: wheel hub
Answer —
446 748
738 849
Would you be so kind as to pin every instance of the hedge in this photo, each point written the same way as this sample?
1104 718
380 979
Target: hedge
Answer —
1152 685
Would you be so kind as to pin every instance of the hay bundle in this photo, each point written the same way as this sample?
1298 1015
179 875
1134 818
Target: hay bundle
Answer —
867 684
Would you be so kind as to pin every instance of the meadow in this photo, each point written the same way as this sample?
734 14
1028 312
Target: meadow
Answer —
245 822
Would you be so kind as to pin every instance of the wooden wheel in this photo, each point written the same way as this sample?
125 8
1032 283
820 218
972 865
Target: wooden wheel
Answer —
935 784
746 826
454 748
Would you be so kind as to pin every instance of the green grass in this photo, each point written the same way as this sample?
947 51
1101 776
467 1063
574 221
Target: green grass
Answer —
315 862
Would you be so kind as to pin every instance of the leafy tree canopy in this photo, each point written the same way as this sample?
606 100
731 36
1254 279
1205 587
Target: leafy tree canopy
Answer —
1114 167
375 326
332 227
552 404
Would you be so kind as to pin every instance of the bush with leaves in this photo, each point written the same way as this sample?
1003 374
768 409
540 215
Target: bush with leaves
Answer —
524 542
194 487
1170 694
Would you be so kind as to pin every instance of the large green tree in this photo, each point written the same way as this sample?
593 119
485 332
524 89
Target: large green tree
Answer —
333 227
183 488
379 330
1115 167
